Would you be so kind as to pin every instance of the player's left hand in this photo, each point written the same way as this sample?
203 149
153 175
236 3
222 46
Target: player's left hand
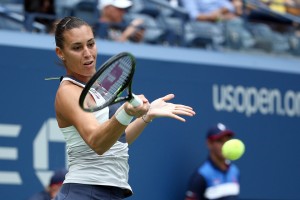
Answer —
162 108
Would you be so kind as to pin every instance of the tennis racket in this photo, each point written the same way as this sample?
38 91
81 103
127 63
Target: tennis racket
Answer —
107 85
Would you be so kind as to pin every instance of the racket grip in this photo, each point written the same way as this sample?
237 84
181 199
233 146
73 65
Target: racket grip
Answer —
135 101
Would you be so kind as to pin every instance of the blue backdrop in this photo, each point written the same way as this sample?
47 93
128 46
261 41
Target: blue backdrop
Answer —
258 97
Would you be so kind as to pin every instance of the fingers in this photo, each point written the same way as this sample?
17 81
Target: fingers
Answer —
161 108
180 109
184 110
136 111
178 118
168 97
143 98
176 115
139 110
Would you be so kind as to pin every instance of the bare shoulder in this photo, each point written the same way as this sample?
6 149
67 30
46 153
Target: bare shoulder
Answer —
67 102
68 90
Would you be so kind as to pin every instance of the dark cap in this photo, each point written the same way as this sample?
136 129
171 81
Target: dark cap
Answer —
218 131
58 177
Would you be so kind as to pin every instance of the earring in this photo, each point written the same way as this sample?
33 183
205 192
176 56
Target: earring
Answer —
62 58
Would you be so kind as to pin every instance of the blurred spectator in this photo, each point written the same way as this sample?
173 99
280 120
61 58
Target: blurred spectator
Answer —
64 7
54 186
209 10
174 3
46 7
293 7
277 22
217 178
112 23
238 6
276 5
221 22
281 6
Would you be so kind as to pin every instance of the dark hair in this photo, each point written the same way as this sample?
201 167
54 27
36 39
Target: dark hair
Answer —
66 24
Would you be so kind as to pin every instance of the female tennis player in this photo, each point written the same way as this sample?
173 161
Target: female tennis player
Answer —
97 142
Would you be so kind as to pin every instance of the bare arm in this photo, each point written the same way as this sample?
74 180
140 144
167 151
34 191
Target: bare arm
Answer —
133 31
217 15
99 136
212 17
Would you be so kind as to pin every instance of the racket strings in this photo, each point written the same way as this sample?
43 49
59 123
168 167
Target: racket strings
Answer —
114 78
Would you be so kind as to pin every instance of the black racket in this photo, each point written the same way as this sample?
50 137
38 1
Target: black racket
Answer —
108 83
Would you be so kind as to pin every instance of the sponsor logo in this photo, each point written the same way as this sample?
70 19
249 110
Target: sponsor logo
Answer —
252 100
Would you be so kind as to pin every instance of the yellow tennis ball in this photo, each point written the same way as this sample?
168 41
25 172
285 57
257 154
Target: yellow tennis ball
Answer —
233 149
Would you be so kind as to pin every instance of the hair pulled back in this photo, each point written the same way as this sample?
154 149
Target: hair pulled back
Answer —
66 24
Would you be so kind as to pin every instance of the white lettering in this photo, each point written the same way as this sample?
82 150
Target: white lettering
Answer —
49 132
251 100
9 153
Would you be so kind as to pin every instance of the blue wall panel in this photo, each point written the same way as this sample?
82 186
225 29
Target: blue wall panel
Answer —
262 104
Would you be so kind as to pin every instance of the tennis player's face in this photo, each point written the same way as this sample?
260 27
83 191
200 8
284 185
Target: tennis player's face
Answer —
80 52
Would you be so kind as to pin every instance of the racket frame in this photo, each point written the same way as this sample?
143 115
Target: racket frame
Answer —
116 98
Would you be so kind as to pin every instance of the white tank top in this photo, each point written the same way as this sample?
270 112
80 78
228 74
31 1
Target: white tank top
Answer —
86 166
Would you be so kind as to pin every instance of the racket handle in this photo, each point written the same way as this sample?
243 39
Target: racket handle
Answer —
135 101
